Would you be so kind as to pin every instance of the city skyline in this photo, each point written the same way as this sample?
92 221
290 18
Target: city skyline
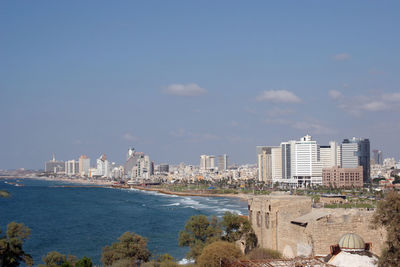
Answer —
179 80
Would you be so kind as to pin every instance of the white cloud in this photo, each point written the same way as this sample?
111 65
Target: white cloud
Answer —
394 97
278 96
190 89
357 105
341 57
374 106
129 137
335 94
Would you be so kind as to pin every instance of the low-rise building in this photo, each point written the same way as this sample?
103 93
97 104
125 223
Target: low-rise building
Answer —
343 177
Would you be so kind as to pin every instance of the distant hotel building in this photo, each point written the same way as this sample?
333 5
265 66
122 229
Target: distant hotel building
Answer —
54 166
343 177
71 167
222 162
269 164
377 156
306 167
84 165
207 162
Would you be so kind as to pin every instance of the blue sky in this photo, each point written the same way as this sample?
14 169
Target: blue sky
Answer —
177 79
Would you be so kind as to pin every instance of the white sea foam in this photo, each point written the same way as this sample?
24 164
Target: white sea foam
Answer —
185 261
191 203
223 210
173 204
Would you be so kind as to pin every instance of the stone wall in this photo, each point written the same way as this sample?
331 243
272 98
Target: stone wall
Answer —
272 216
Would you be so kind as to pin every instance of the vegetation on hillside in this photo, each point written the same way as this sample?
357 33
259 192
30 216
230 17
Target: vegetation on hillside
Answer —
131 250
200 232
387 215
218 254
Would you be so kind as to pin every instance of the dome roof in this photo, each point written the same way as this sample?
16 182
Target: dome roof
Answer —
351 242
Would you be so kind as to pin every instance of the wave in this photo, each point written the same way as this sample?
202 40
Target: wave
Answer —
173 204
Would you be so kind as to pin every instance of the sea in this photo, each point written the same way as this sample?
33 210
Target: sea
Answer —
80 220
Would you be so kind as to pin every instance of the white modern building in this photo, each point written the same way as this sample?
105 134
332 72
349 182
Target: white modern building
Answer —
330 155
207 162
306 167
222 162
103 167
71 167
84 165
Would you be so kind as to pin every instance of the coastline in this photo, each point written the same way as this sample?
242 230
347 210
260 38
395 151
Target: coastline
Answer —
64 179
243 197
97 183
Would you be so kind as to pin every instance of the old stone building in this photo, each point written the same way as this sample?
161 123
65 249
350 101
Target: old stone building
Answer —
290 224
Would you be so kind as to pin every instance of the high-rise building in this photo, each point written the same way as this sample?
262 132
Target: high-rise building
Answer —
211 162
142 169
276 164
84 165
306 167
267 164
377 156
264 163
329 155
54 166
203 162
207 162
356 152
132 159
287 149
222 162
103 167
163 168
71 167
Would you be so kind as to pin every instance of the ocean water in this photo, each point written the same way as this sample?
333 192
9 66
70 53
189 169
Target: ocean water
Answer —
80 221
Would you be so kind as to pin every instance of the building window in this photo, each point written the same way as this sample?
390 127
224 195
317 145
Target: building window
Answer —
267 220
258 219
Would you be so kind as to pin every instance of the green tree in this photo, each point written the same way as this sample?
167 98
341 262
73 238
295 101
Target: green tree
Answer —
11 251
237 228
199 232
53 259
165 257
129 251
84 262
56 259
218 254
387 215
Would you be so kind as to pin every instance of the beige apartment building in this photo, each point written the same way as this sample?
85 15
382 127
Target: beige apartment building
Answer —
343 177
